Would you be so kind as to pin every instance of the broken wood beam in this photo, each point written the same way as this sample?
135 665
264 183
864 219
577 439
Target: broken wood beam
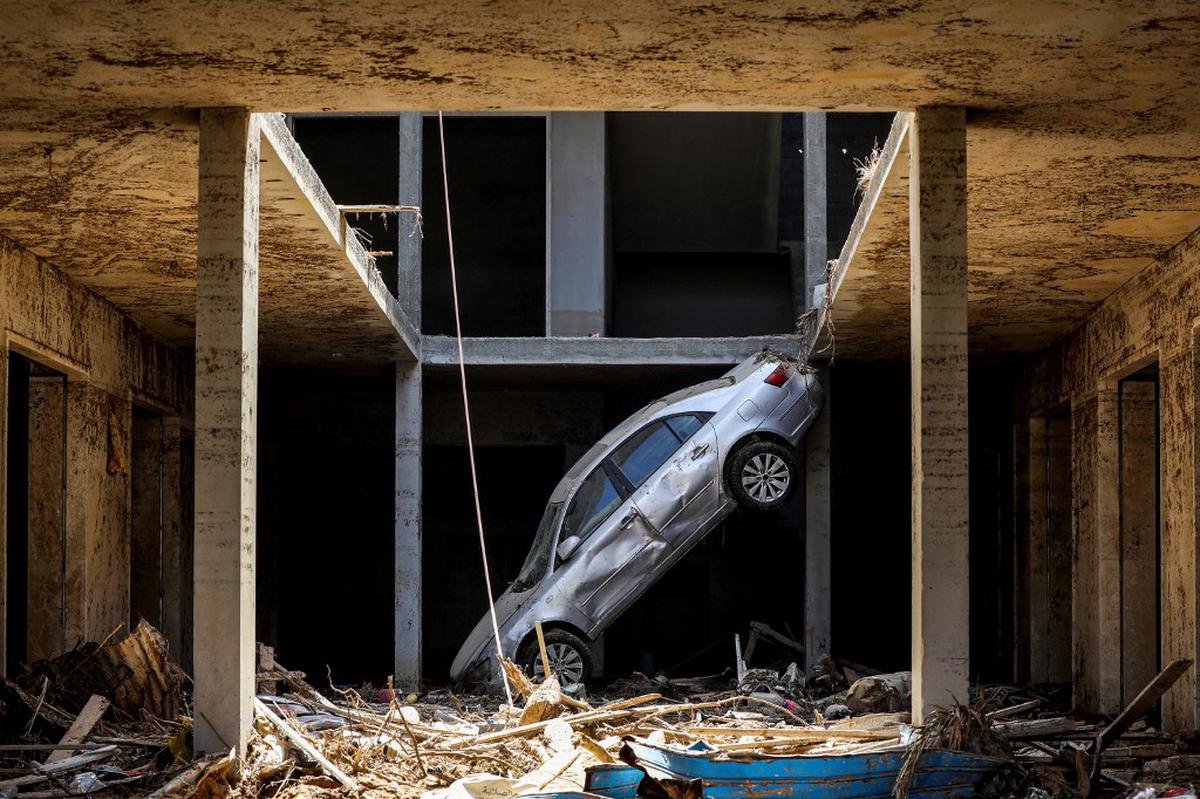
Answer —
80 728
298 740
1036 728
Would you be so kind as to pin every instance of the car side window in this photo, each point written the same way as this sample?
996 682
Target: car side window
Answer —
595 500
644 451
684 426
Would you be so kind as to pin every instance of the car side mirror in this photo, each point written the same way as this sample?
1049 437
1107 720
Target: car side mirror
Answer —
567 547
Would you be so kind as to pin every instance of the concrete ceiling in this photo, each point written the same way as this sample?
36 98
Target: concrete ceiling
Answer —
1084 117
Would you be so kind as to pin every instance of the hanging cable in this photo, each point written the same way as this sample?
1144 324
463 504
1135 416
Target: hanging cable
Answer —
462 372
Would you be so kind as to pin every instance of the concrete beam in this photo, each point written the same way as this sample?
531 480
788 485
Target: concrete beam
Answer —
355 316
940 502
408 550
409 428
818 550
226 428
583 352
577 273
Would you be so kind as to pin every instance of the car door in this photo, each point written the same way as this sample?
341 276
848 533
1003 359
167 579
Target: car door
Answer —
683 493
602 515
639 464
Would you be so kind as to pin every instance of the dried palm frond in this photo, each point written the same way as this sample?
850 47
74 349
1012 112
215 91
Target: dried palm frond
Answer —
959 728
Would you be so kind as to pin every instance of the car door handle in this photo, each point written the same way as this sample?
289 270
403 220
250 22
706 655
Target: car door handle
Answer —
698 451
629 519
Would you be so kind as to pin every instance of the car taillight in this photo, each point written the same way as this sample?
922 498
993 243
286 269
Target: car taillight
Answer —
779 376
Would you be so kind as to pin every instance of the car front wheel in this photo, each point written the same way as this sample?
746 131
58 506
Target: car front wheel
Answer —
762 475
570 659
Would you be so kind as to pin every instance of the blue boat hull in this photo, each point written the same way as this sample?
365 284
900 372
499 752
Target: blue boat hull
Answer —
942 775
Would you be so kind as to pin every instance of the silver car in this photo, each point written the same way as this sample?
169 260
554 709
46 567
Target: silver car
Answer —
638 501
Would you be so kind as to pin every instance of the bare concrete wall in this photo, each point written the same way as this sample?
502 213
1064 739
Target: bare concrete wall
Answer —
109 361
1152 315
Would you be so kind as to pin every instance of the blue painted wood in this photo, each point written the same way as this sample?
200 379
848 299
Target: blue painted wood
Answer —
942 774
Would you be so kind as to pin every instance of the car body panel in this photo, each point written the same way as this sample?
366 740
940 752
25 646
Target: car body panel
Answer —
657 522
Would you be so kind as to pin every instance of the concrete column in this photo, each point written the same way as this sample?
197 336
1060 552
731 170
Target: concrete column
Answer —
226 410
408 527
818 555
577 250
97 533
1096 583
816 243
408 252
938 242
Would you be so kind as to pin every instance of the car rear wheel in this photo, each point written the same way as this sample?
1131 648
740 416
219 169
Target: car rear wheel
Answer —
570 659
762 475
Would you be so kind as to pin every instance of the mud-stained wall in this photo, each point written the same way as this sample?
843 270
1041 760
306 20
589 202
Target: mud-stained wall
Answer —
110 362
1153 316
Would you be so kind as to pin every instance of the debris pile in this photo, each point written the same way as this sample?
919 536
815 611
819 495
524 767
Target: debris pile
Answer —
114 717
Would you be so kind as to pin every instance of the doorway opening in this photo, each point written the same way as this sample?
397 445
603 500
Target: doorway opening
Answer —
1050 548
1139 462
35 598
147 480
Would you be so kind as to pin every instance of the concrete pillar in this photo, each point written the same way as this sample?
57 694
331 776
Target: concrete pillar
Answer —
1096 583
577 249
409 430
408 527
1180 496
97 536
818 555
816 236
408 253
938 242
226 410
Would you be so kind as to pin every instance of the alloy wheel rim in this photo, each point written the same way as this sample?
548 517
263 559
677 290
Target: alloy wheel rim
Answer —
766 477
565 663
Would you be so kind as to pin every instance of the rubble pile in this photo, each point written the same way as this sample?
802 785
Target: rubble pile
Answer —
114 718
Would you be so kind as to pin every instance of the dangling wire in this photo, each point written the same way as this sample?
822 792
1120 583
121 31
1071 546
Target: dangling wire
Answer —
462 372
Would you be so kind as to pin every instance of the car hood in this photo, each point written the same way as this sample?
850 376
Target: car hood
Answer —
480 639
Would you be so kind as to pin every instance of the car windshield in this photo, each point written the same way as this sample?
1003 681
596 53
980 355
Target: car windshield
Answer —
538 559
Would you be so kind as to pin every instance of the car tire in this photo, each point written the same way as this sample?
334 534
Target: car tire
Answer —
570 657
762 475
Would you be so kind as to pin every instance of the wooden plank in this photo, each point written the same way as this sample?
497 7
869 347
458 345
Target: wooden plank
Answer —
81 727
542 646
300 742
793 734
1141 703
1036 728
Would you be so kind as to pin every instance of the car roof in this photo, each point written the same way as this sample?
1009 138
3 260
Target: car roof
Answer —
659 407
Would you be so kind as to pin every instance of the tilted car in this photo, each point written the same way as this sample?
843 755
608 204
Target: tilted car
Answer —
638 501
